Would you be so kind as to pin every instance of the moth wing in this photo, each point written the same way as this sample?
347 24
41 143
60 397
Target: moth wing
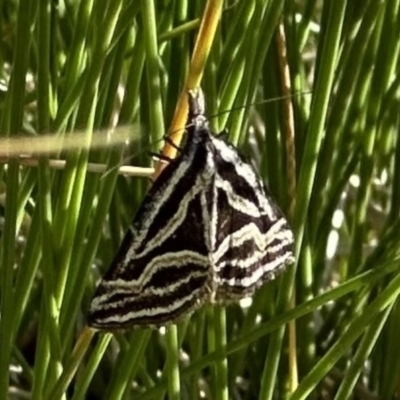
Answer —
161 270
253 241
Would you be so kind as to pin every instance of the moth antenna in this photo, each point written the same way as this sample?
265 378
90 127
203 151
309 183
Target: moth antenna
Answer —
274 99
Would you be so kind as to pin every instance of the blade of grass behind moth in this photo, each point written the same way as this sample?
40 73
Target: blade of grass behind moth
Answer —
31 255
173 362
96 186
235 59
387 345
324 83
288 120
197 331
75 172
178 67
156 116
179 30
6 279
75 360
128 365
182 328
356 328
219 331
12 122
379 84
26 273
211 348
43 348
84 379
75 61
353 372
205 37
243 94
48 320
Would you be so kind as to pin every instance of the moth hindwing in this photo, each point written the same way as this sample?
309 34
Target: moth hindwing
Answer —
206 231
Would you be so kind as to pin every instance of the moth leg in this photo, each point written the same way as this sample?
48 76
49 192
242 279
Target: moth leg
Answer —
172 143
224 134
160 157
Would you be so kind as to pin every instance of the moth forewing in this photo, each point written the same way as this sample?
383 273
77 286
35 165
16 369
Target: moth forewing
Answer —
206 230
253 241
161 272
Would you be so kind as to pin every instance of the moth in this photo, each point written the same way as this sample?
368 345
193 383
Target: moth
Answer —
207 231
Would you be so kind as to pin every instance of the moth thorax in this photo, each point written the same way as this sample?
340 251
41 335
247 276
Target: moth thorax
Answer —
200 122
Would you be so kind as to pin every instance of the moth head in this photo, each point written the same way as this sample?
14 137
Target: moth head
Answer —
196 102
196 115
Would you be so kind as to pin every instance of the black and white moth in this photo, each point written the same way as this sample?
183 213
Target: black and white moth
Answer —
207 231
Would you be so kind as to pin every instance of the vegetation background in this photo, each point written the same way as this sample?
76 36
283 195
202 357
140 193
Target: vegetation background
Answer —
69 66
